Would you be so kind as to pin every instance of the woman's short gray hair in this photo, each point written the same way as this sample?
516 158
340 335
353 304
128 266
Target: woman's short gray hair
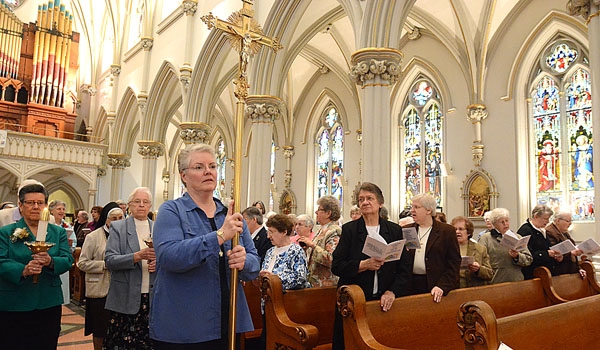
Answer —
145 190
427 201
183 160
308 221
499 213
541 210
331 204
55 203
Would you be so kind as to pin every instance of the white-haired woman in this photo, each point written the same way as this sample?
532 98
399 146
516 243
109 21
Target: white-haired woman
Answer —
506 263
436 265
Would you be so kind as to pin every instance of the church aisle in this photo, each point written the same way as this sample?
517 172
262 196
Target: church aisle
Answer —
72 326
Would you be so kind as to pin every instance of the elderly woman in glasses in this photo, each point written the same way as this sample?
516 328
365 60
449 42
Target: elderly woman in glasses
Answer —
132 264
30 312
558 231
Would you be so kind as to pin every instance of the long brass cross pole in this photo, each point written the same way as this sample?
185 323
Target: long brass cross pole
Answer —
246 36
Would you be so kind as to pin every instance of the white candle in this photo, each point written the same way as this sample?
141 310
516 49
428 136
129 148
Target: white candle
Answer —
43 225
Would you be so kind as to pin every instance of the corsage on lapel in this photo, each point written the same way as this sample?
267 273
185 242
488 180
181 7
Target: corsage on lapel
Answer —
19 234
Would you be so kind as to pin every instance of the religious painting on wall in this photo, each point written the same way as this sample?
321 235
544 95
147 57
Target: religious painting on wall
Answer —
479 197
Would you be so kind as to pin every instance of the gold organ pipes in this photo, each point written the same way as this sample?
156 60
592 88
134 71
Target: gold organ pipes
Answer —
46 52
51 58
58 57
11 36
66 58
51 53
36 46
42 20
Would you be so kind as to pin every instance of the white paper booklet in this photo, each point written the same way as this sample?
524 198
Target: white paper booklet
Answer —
412 238
564 247
589 246
466 261
381 250
510 241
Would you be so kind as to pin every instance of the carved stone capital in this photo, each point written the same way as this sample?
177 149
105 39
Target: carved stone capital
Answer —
189 7
88 89
288 152
150 149
476 113
376 66
414 34
110 117
185 75
264 108
142 101
101 171
477 149
147 43
115 69
194 132
118 160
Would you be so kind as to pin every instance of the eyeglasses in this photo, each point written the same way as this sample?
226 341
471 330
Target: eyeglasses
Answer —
144 202
202 167
565 220
33 203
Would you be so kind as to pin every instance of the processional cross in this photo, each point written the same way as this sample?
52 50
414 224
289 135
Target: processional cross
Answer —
246 37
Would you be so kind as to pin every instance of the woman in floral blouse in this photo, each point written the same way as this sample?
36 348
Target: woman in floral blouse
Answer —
323 244
284 259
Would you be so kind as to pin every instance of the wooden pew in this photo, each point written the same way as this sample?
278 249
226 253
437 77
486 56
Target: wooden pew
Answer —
298 319
569 325
253 297
416 322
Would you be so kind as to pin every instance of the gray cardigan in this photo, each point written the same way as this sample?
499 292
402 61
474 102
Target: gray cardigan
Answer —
124 293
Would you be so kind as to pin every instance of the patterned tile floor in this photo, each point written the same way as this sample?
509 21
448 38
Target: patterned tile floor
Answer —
71 333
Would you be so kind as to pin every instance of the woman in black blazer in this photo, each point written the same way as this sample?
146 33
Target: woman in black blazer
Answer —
378 279
436 265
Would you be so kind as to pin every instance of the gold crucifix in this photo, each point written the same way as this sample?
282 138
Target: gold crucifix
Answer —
246 37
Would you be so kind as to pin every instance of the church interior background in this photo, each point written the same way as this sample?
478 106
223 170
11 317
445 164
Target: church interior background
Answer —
483 103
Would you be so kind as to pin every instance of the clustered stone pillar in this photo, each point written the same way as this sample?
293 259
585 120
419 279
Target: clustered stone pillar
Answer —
476 113
118 162
150 151
262 110
375 71
589 10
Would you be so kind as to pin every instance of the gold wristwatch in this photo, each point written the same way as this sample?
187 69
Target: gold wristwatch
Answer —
220 234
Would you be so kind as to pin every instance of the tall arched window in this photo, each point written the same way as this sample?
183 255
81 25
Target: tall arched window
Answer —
562 130
220 190
422 123
330 155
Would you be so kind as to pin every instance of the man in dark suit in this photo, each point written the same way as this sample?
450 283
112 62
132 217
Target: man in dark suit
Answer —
254 220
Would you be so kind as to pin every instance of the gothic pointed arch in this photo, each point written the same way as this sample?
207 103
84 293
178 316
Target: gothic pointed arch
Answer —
164 97
70 191
422 139
125 120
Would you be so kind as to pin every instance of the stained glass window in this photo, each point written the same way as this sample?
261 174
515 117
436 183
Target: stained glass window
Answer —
330 156
422 142
220 190
562 129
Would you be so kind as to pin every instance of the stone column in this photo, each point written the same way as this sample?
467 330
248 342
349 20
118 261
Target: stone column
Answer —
476 113
150 151
589 10
147 43
118 162
262 110
375 71
185 72
194 132
91 197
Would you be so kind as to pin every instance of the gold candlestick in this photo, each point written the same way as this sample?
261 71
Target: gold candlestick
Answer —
38 247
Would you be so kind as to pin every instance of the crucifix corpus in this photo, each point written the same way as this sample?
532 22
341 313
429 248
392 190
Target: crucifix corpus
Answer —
246 37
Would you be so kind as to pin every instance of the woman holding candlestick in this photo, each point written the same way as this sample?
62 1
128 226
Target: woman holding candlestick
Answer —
30 312
132 265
